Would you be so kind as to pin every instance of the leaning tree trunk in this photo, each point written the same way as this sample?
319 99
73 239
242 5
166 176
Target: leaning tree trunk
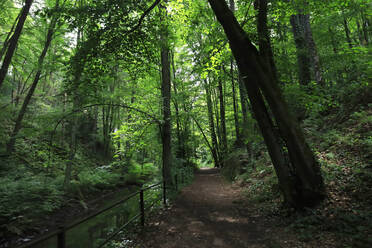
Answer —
309 182
14 40
263 36
22 112
7 38
281 165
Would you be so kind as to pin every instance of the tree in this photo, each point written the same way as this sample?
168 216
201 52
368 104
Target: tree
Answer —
166 98
14 40
309 186
48 40
212 130
221 98
307 54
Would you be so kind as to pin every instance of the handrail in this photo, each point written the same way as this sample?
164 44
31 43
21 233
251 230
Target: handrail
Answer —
60 233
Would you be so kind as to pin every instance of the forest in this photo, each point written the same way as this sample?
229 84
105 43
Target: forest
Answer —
100 96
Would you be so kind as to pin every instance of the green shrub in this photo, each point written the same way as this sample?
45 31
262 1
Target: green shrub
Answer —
93 179
27 199
305 101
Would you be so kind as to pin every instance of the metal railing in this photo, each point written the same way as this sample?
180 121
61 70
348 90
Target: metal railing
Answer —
60 233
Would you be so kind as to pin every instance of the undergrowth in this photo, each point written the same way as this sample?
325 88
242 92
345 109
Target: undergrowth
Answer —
26 200
341 137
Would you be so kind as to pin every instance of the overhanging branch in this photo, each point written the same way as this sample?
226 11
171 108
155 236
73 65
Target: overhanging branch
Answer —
147 11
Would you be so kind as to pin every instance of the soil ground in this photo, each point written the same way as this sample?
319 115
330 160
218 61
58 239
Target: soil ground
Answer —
207 214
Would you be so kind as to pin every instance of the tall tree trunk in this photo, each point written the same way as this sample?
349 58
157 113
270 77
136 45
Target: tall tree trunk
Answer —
216 111
333 41
244 105
185 135
263 36
365 28
211 125
14 40
313 52
307 53
128 153
347 33
77 73
63 124
180 143
17 126
73 146
166 96
360 33
7 38
238 142
309 182
303 58
223 119
107 113
279 159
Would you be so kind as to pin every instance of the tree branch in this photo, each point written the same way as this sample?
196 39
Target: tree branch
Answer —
147 11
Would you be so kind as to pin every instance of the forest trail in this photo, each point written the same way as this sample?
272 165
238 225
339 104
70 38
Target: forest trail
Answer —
206 214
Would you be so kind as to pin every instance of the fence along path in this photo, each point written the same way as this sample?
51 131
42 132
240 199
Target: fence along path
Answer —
60 233
206 214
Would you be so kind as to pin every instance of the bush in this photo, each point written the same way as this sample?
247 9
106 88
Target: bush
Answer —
99 178
305 101
27 199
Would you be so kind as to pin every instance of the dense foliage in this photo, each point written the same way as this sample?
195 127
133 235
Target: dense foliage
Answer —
81 105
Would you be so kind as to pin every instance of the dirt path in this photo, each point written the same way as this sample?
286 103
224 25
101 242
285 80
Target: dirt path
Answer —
205 214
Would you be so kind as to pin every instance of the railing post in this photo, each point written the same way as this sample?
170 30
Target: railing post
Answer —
164 194
61 239
142 208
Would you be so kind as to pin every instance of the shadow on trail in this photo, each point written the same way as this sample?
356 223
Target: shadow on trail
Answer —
205 215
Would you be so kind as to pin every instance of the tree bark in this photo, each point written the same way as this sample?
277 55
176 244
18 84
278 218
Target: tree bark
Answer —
360 33
214 99
244 105
18 123
303 58
279 159
309 182
7 39
128 152
238 142
347 33
180 143
223 120
14 40
211 125
365 27
166 96
313 52
264 37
